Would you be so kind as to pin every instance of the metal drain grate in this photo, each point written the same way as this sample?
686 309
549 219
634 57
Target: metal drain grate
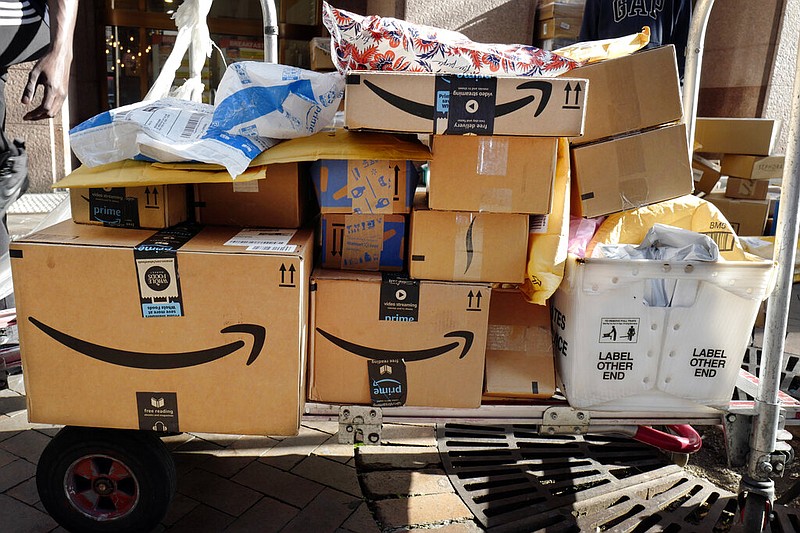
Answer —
514 480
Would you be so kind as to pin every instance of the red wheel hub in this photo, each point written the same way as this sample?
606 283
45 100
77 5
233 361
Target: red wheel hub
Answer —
101 487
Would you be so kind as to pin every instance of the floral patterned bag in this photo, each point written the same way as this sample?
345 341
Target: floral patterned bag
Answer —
382 43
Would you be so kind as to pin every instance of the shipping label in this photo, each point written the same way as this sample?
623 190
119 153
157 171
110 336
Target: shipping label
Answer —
619 330
264 240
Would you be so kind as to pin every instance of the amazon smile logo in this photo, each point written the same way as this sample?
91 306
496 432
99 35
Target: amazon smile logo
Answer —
159 361
410 355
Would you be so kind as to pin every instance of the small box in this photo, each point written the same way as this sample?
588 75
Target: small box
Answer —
749 136
616 353
753 167
280 200
320 54
390 341
363 242
195 330
519 348
455 104
746 189
151 206
562 10
706 174
631 172
379 187
459 246
631 93
746 217
495 174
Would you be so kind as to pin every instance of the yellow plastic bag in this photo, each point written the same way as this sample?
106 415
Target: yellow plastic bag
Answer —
594 51
547 246
687 212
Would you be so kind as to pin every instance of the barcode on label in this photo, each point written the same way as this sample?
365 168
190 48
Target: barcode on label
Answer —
191 124
252 242
538 224
285 248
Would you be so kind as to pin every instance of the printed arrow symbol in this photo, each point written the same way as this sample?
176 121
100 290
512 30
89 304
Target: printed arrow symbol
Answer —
159 361
577 92
470 296
396 180
291 274
283 273
155 196
334 251
567 90
478 296
147 195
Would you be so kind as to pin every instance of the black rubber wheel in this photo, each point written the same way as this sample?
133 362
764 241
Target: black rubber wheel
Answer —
106 480
756 513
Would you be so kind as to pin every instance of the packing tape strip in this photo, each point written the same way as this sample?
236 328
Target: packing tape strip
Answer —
518 338
631 167
492 156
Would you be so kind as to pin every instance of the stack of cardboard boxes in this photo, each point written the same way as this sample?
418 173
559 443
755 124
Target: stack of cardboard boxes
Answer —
558 24
741 150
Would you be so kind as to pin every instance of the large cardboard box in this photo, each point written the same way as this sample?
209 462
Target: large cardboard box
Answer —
364 186
749 136
495 174
613 353
746 189
280 200
319 50
753 167
706 174
630 172
458 104
746 217
387 341
186 329
363 242
519 348
459 246
631 93
151 206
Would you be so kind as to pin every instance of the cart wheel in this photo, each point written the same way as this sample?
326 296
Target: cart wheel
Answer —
680 459
103 480
755 513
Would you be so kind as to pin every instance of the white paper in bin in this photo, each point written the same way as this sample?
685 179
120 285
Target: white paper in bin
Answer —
614 352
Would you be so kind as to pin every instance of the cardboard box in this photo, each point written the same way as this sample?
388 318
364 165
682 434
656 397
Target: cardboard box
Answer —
753 167
519 348
746 189
496 174
558 28
561 10
387 341
280 200
630 172
457 104
363 242
364 186
613 353
320 54
750 136
631 93
706 174
151 206
746 217
177 330
458 246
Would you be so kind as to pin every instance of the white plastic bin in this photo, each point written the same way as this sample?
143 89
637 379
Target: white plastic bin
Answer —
614 352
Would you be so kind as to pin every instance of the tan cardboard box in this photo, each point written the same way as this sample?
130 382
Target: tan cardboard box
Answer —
172 331
746 217
631 93
495 174
519 348
392 341
559 28
753 167
320 54
151 206
561 10
280 200
459 246
458 104
363 242
630 172
746 189
706 174
750 136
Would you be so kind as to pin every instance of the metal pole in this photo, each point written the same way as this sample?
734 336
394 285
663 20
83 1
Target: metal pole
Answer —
694 59
270 31
765 425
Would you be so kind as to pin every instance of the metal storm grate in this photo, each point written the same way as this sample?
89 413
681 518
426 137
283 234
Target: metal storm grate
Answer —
515 480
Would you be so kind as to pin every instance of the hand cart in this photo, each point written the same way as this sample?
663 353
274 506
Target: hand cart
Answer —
110 460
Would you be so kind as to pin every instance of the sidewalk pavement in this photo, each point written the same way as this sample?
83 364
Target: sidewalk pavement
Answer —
306 483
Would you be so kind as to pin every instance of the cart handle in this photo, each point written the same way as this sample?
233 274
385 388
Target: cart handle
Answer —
687 439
